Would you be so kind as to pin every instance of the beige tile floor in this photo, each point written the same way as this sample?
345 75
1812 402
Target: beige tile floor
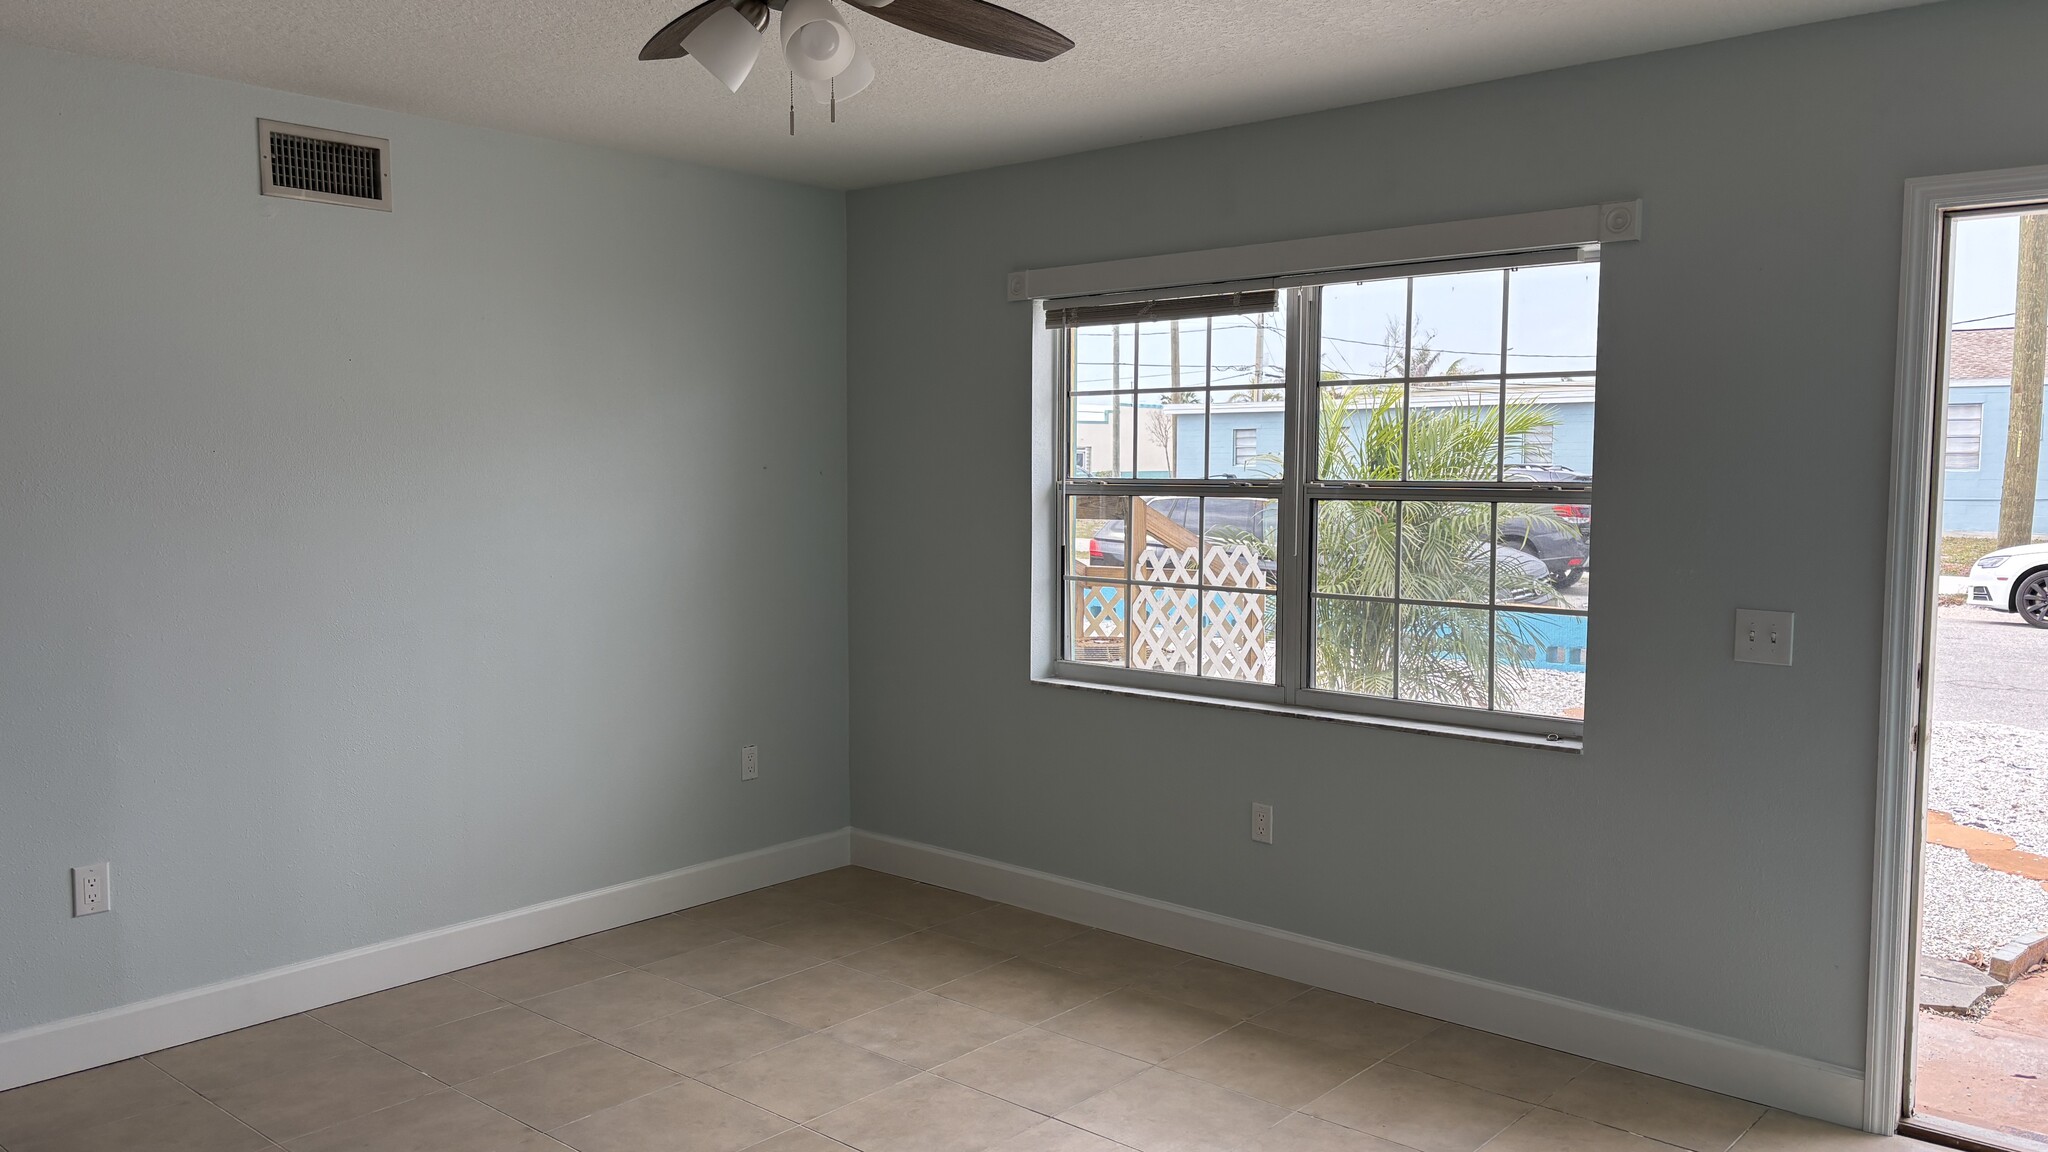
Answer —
857 1010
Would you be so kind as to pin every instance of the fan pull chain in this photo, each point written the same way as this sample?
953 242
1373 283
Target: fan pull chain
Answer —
792 103
834 83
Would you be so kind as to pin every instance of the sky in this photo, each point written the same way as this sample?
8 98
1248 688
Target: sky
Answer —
1552 316
1985 272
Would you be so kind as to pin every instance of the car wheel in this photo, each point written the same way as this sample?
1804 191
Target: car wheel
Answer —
1568 577
2031 599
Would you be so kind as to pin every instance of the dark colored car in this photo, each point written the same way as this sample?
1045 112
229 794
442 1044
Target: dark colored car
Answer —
1257 519
1563 540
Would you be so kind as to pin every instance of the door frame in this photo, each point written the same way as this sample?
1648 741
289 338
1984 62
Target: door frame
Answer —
1910 567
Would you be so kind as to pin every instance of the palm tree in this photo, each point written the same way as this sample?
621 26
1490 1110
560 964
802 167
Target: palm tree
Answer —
1442 548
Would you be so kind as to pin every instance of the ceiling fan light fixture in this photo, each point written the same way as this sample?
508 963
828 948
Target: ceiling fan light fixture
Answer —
815 40
726 44
860 72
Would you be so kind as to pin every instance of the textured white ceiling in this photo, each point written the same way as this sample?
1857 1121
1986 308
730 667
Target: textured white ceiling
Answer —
1141 68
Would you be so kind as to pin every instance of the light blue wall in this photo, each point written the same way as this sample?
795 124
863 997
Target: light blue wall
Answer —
363 573
1970 499
1707 859
1571 437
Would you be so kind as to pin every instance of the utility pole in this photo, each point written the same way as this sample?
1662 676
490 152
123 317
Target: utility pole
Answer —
2029 365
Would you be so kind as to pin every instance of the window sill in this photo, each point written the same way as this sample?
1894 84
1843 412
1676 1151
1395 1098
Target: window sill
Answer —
1572 744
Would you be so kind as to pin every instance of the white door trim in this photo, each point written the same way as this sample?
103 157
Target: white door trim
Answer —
1909 573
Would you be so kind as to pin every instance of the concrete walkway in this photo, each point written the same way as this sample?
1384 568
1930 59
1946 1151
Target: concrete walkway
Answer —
1992 1072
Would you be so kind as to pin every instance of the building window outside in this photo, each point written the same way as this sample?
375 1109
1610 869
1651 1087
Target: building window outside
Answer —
1244 447
1963 447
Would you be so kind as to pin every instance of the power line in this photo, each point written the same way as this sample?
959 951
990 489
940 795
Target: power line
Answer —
1979 319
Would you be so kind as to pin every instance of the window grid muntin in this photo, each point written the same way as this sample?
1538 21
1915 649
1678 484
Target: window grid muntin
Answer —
1493 606
1300 490
1201 586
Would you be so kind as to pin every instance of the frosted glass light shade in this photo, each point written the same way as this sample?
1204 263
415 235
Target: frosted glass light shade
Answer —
860 73
815 40
726 44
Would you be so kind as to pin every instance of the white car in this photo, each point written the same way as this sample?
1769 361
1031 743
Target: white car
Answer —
2013 580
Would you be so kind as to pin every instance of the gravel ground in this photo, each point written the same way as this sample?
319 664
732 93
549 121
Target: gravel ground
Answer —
1966 908
1548 692
1992 776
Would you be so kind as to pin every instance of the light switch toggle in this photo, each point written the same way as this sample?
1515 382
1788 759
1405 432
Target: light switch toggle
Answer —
1763 637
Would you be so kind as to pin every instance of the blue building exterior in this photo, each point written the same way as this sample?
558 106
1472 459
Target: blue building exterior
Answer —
1570 444
1244 438
1975 472
1979 417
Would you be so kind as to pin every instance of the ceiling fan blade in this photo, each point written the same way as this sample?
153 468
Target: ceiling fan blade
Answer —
667 44
974 24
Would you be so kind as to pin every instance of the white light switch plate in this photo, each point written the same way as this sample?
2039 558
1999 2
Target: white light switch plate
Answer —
1763 637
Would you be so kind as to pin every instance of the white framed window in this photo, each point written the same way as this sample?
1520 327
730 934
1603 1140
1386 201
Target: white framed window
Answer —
1244 446
1084 460
1341 523
1963 444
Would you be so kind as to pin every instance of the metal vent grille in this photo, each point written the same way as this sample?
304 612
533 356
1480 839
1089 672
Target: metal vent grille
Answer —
304 163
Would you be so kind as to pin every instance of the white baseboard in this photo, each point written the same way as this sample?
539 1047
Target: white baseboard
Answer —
1718 1063
89 1041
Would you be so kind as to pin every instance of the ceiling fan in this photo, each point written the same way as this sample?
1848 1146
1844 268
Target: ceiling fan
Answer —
725 36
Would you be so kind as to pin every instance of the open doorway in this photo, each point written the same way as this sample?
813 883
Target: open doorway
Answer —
1975 1068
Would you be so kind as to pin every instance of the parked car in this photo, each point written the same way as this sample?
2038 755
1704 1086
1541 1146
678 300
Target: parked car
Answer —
1257 519
2013 580
1565 545
1534 574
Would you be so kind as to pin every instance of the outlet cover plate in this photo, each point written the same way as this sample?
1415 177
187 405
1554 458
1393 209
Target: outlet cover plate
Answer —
1262 823
89 889
1763 637
750 763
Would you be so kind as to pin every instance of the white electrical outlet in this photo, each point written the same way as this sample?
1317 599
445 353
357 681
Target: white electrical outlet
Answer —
1763 637
89 890
750 763
1262 823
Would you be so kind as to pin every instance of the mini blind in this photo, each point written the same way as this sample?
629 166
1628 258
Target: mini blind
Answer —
1181 308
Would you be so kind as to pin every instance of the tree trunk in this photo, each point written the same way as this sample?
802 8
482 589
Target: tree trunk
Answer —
2029 365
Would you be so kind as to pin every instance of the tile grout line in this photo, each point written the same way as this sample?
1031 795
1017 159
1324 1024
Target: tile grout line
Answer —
917 1071
1116 984
1747 1130
1040 1026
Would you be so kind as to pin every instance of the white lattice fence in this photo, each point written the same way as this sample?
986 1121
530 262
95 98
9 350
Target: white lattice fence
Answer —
1165 626
1227 620
1159 564
1099 624
1236 642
